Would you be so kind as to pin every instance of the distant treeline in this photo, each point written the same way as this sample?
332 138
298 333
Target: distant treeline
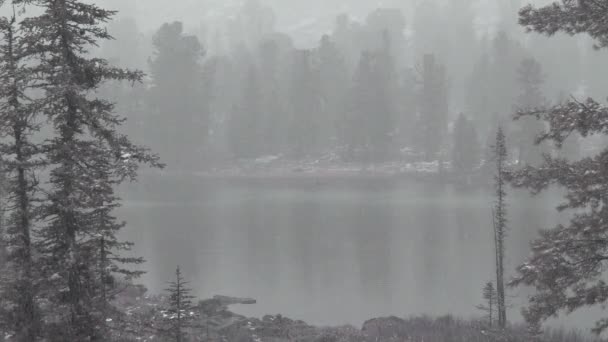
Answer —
435 87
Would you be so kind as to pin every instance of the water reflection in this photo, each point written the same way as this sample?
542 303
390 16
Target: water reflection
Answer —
330 252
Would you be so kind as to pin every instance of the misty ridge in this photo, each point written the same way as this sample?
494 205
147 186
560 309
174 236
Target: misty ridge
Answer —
276 170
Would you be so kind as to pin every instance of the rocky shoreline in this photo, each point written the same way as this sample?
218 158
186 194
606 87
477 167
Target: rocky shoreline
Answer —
214 321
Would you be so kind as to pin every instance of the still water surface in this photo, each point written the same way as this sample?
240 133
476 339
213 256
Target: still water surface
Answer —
327 251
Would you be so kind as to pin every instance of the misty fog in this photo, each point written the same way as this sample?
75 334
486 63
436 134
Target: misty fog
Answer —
304 239
333 160
299 237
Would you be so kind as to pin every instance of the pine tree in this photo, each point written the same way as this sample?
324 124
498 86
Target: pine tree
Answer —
506 57
500 223
360 105
305 98
568 263
88 157
180 312
333 82
479 94
531 79
571 147
432 122
21 159
568 16
274 100
466 155
462 43
491 300
104 249
428 37
246 118
175 103
385 87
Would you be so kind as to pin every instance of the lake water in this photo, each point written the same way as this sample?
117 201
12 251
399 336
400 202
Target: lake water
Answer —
327 251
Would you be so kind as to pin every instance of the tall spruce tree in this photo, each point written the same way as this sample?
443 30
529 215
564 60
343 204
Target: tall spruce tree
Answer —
500 223
87 158
568 264
20 160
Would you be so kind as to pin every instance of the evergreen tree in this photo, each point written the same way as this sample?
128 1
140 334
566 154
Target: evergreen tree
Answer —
387 25
479 96
567 267
273 96
506 56
462 42
244 130
87 158
372 106
222 91
179 114
180 311
305 98
406 109
428 37
385 88
360 106
432 122
254 21
571 147
500 223
21 159
571 17
126 50
334 79
528 128
491 300
466 155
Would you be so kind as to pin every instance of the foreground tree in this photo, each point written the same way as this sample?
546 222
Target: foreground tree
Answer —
567 268
490 298
180 312
19 279
500 224
87 158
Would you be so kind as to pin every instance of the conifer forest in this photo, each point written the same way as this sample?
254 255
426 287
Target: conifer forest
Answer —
303 171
